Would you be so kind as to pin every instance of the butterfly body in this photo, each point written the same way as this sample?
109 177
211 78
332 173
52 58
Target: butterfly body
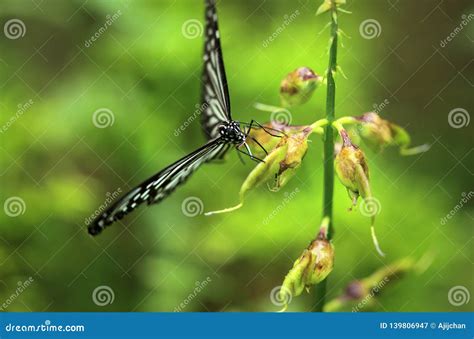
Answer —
230 132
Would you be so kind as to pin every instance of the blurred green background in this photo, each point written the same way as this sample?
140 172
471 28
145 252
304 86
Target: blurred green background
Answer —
147 73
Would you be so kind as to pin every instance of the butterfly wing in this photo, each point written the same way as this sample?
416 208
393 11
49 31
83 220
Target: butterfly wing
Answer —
215 94
158 186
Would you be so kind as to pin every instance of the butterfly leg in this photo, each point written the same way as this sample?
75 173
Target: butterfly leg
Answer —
240 156
266 129
259 144
249 152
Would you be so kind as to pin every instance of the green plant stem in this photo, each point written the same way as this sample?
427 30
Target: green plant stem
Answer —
329 147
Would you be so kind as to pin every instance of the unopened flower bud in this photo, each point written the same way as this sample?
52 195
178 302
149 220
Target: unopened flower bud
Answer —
312 267
375 131
298 86
296 150
379 133
352 169
328 4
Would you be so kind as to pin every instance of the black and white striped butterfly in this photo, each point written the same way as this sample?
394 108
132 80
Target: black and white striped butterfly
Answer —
221 130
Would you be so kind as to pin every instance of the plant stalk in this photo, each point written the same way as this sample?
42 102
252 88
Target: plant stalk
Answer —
328 185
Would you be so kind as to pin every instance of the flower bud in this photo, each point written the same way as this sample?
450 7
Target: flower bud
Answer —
279 165
351 168
379 133
375 131
328 4
296 150
312 267
298 86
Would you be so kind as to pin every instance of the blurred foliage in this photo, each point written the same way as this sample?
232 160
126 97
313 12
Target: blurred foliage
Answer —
147 73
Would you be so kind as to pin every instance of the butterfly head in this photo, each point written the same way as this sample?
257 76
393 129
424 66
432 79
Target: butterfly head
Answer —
232 133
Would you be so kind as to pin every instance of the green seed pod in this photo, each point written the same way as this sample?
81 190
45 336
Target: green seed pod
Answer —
298 86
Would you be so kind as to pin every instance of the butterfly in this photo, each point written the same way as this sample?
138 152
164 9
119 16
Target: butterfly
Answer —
216 121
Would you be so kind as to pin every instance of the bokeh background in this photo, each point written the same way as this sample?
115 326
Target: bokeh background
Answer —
57 166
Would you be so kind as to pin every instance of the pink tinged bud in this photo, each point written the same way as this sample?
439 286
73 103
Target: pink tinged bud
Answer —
375 131
356 290
378 133
298 86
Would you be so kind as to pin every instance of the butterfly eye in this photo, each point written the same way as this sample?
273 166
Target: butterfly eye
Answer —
222 129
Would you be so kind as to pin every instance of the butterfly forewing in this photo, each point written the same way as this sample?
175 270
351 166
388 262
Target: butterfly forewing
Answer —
215 94
157 187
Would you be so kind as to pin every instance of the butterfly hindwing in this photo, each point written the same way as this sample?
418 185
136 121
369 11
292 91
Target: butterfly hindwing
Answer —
215 94
157 187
